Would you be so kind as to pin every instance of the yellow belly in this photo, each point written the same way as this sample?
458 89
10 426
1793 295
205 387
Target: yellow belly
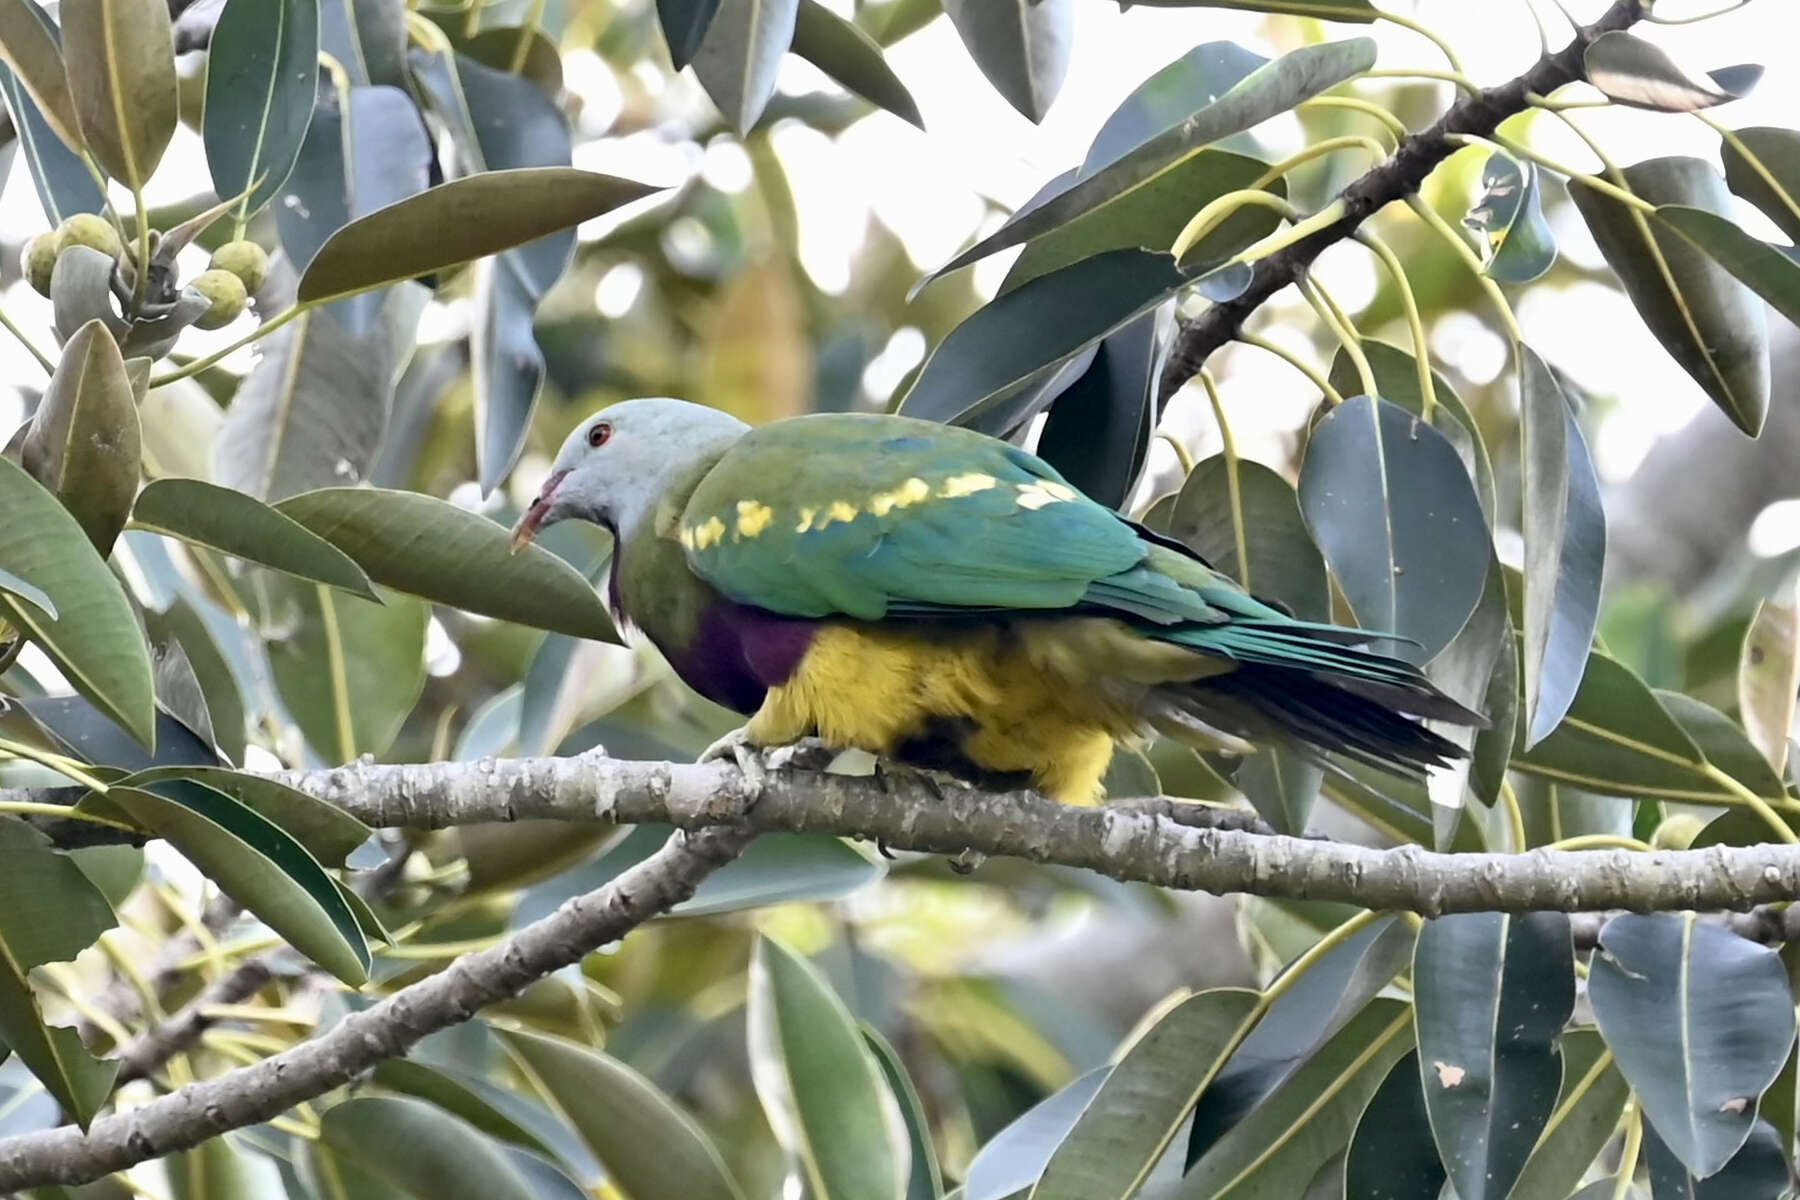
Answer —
1010 690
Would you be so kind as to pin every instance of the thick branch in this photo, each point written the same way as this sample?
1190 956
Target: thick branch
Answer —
1395 178
252 1094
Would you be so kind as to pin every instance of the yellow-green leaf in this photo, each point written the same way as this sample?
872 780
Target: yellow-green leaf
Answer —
28 46
121 64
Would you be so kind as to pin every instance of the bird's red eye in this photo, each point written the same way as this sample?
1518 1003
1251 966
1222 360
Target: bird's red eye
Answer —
599 433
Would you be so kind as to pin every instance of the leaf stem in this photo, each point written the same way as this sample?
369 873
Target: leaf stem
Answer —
1463 82
1628 1157
142 273
62 766
43 360
1448 235
211 360
1513 146
1228 450
1414 322
1217 211
1299 364
1601 841
1763 810
1319 949
534 17
1697 17
31 808
1319 150
1393 124
1515 817
1326 217
1425 31
1341 328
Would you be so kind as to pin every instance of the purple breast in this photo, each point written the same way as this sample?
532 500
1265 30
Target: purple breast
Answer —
739 652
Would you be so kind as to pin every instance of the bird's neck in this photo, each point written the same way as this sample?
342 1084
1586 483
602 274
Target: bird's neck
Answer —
652 586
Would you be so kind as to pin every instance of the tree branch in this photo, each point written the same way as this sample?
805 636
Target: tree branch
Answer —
1399 176
157 1045
251 1094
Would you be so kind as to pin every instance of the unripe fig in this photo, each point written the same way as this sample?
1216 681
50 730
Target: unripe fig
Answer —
247 260
92 231
225 292
38 261
1677 832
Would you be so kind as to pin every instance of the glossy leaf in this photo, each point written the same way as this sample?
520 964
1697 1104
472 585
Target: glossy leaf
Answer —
120 56
739 58
1098 431
1587 1112
349 671
245 527
440 552
1014 1159
410 1148
648 1145
1309 1116
1264 93
1772 181
83 443
63 184
851 57
1391 507
94 640
1632 71
1164 100
1493 991
1759 1171
469 1097
1701 1022
1510 218
1245 520
324 830
684 25
1770 271
1391 1155
1038 325
367 38
32 54
1709 322
1722 742
49 912
1769 676
1565 548
262 73
924 1182
255 862
820 1086
1125 1128
1022 46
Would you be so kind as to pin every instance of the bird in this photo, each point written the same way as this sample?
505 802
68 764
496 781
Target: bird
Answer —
947 601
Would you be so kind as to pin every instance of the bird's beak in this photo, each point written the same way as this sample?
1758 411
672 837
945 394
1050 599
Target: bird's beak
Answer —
527 527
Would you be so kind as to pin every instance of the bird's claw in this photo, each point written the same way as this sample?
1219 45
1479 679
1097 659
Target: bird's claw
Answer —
726 747
936 782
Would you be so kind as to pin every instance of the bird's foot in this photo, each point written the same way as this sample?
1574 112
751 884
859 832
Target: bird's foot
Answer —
737 747
937 782
806 754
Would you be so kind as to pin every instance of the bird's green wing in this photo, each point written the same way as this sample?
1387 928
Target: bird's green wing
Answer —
870 516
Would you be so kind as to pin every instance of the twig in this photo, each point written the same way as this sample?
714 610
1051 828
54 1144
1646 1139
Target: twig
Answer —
157 1045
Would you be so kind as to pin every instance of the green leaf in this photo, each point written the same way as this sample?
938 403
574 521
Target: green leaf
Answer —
1565 548
1098 431
1631 71
181 625
1588 1110
1772 182
1709 322
30 49
1510 218
1164 100
58 173
1014 1158
245 527
739 58
1128 1124
120 56
1493 991
262 74
820 1086
1390 506
461 1097
684 25
1700 1020
1769 676
256 863
432 549
407 1147
648 1145
1022 46
1391 1156
83 443
851 57
30 593
326 831
1037 325
217 1169
1266 92
349 671
94 641
49 912
1759 1171
1245 520
93 737
1309 1116
1722 743
925 1182
1769 271
458 221
367 38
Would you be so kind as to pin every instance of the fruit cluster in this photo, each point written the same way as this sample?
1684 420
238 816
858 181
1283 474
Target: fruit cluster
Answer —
236 270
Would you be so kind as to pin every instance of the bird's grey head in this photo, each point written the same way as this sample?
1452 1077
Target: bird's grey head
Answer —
616 464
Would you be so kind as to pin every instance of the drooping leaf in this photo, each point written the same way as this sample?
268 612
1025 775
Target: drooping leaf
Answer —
1391 507
1632 71
1700 1021
406 1147
1266 92
435 550
1493 991
94 640
84 444
739 58
1098 432
1721 741
32 54
1164 100
120 56
1772 272
1391 1156
924 1183
255 862
1587 1111
1709 322
820 1086
247 528
49 912
1772 181
1022 46
1510 218
63 184
1769 676
648 1146
1128 1124
262 73
851 57
1014 1159
1565 548
348 670
684 25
